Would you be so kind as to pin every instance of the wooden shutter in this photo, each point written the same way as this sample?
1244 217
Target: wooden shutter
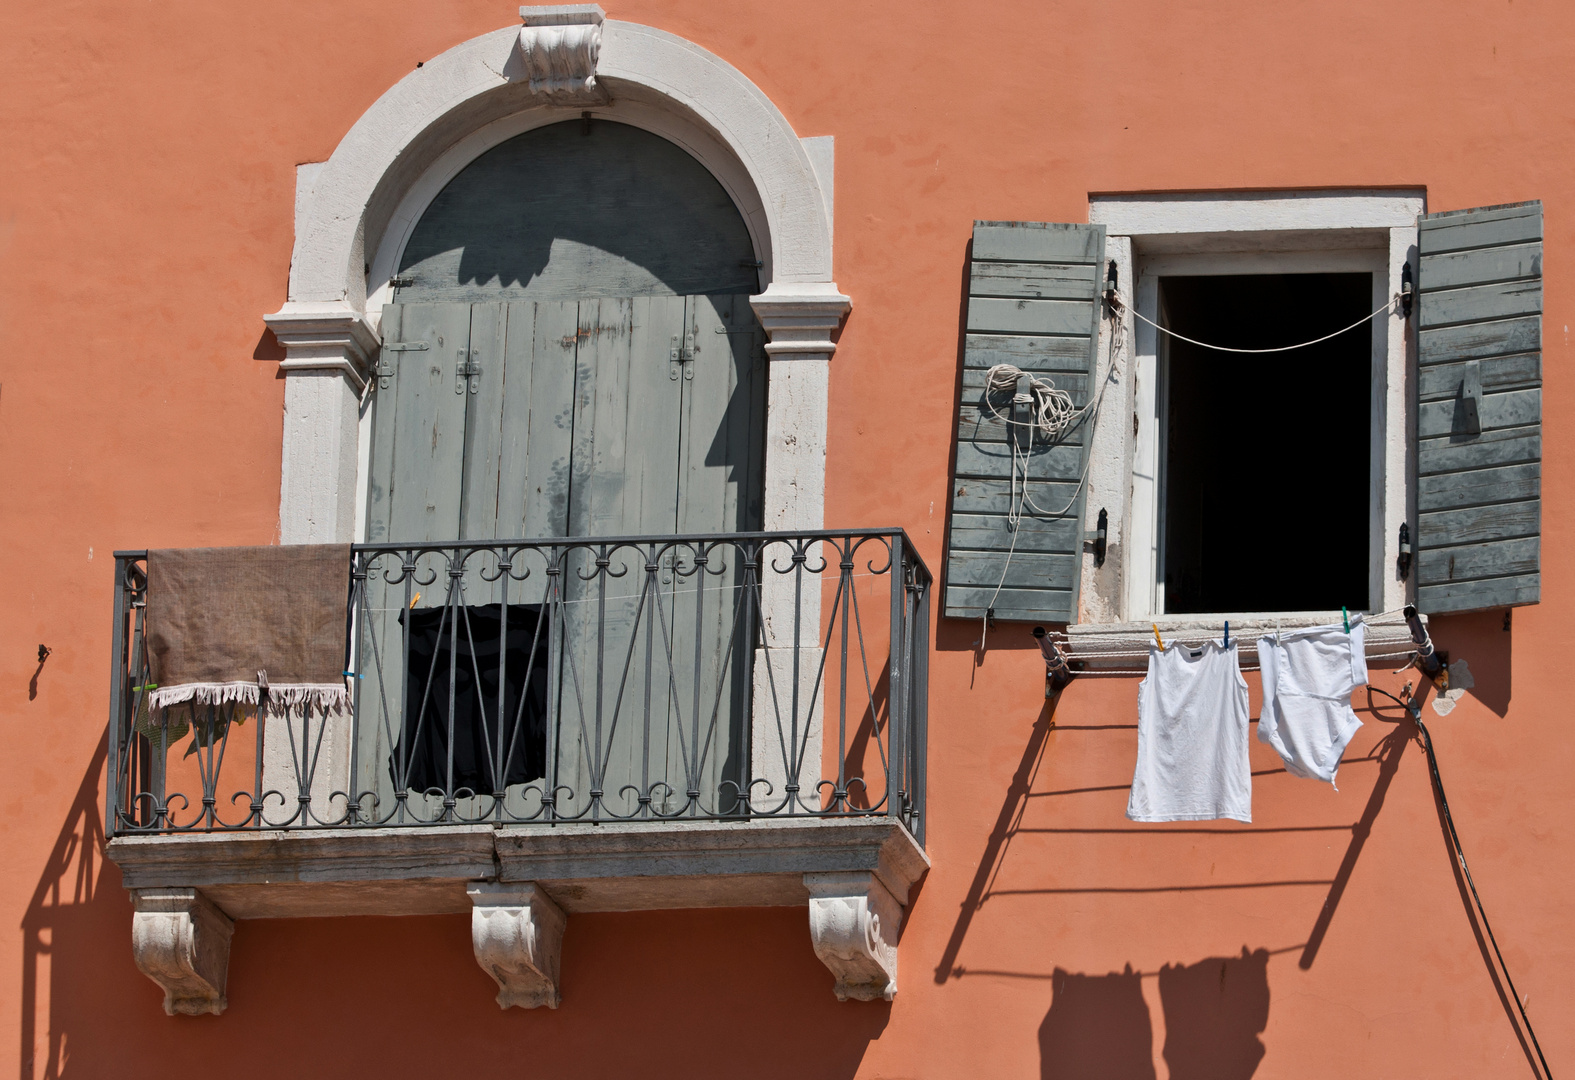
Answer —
1033 301
1479 421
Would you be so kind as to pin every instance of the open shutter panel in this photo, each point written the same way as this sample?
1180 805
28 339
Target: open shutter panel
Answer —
1479 421
1034 302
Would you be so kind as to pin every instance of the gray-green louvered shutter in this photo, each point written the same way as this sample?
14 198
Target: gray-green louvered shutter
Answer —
1479 424
1034 302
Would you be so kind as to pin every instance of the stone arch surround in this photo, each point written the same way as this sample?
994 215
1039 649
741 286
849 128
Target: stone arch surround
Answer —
364 200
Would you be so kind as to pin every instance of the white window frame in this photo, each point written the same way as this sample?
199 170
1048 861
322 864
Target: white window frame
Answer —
1158 236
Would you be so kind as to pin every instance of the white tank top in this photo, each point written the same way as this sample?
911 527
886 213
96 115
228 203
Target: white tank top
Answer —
1192 737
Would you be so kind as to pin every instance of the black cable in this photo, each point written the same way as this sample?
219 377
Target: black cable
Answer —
1460 854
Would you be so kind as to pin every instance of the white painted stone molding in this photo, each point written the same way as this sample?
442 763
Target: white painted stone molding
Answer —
181 941
325 337
800 317
559 46
517 933
854 922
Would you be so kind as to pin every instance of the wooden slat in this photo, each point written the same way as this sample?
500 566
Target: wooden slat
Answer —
1500 301
1027 569
1499 373
1476 341
974 379
1503 521
429 425
1517 557
1479 487
1511 409
1012 605
478 515
1046 281
1050 354
541 335
1460 268
971 496
991 533
1456 230
990 315
1035 241
976 425
993 461
1516 445
721 452
1479 594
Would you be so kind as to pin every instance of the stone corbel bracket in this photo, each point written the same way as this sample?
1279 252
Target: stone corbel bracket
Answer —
559 47
517 934
854 923
181 941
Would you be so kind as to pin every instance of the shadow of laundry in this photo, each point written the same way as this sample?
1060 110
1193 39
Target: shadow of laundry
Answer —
1097 1026
1215 1010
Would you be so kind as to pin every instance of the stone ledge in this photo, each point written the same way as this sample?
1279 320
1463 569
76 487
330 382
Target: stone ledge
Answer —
612 867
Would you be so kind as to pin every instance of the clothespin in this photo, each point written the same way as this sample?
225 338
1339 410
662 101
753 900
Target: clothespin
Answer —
1227 633
1157 640
414 600
1345 617
352 675
146 686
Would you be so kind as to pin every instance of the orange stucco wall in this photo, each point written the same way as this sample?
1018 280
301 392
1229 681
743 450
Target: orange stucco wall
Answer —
146 187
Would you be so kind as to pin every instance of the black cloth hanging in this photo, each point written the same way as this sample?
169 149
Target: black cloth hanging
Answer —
477 648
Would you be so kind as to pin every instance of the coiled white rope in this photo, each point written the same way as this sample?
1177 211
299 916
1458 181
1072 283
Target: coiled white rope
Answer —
1054 417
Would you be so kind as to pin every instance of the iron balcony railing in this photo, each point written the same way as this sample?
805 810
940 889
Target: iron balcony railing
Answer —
533 682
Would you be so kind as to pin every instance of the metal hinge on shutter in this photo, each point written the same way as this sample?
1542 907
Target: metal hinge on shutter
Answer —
682 357
466 369
385 366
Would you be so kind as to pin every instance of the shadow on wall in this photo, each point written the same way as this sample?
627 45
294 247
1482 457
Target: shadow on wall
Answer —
668 982
1099 1025
73 931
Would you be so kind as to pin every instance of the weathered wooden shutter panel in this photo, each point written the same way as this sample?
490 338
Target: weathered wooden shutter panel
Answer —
1479 421
1033 301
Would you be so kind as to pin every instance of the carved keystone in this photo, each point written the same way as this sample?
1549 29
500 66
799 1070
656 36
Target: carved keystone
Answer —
854 922
517 932
181 941
559 46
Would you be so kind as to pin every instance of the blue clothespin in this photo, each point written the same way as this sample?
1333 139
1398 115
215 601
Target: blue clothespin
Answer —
1345 617
353 675
1227 633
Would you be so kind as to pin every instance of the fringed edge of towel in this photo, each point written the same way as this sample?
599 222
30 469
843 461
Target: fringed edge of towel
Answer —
325 697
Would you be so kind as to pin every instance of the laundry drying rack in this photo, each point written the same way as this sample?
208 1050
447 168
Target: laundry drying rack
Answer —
1123 648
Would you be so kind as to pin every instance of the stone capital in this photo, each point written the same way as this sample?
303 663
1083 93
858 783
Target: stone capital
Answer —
325 337
800 317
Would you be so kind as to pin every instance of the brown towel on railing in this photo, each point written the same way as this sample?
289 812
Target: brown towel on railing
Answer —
223 622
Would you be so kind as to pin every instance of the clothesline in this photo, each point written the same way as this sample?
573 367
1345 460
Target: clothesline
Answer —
1387 304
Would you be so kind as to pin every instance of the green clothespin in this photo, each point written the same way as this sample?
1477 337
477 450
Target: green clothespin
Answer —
147 686
1345 617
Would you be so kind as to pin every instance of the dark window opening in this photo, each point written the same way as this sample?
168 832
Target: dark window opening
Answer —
1265 474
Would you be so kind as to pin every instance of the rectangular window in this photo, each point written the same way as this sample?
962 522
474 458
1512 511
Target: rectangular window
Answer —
1266 457
1257 483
